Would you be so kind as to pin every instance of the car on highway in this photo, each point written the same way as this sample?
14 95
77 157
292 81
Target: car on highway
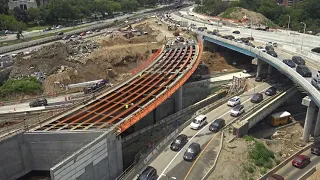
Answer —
258 97
217 124
198 122
237 110
179 142
260 77
304 71
315 148
149 173
275 177
316 83
272 53
234 101
298 60
260 48
192 152
271 91
289 62
236 32
269 48
249 69
301 161
39 102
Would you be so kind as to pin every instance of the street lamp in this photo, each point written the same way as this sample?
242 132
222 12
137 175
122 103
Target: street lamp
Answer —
289 22
304 31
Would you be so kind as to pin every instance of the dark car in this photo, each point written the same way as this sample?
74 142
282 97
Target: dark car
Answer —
271 91
39 102
301 161
269 48
258 97
216 125
260 77
236 32
150 173
272 53
192 152
66 37
304 71
298 60
289 62
316 83
179 142
275 177
316 50
315 148
60 33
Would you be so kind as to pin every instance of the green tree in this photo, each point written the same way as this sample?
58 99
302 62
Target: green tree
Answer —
4 6
34 14
8 22
20 14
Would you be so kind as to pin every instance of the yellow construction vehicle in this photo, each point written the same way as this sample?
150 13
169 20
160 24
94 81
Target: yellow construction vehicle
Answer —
281 118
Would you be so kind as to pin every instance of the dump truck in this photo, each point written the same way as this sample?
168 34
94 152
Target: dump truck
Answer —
280 118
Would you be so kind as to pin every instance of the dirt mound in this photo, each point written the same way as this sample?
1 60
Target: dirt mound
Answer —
238 13
216 63
47 60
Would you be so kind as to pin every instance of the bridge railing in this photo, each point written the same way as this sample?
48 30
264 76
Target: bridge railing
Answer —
292 74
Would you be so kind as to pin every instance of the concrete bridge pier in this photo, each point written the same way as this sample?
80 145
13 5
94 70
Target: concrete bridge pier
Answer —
310 117
270 70
317 127
259 67
178 100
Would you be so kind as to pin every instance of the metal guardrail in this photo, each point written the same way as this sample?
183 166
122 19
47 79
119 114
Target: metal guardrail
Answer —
292 74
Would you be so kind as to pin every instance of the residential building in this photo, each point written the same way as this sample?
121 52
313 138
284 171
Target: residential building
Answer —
26 4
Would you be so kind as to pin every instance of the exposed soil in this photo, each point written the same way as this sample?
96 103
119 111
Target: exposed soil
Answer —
234 155
108 56
217 63
238 13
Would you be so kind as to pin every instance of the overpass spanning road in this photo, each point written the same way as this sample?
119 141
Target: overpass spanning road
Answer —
134 99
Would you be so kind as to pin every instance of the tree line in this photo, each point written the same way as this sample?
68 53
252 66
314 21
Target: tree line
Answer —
57 11
307 11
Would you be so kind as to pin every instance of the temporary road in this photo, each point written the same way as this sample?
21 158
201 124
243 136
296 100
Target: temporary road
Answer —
170 164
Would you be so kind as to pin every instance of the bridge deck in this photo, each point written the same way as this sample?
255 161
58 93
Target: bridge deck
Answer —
130 97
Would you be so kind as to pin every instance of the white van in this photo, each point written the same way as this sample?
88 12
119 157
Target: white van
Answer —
198 122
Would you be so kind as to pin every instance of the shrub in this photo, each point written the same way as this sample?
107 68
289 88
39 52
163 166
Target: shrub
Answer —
261 156
21 86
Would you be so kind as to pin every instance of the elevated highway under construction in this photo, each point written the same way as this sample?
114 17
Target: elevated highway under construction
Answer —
85 142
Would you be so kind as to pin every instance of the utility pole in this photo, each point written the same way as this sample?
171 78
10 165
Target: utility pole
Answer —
304 31
289 22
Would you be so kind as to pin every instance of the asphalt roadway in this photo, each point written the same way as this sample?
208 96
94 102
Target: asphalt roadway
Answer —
290 172
170 164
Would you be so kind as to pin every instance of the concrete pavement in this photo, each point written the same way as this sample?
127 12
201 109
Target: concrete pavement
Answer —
172 165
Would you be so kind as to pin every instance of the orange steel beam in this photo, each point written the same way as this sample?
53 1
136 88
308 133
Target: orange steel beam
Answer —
158 89
99 102
136 117
128 101
122 97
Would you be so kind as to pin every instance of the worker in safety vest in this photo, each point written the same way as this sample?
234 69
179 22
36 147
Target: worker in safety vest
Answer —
127 106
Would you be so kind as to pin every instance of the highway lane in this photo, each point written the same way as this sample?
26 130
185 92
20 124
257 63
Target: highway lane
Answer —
171 163
290 172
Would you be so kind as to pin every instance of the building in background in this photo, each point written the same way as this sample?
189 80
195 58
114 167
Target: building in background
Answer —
288 2
26 4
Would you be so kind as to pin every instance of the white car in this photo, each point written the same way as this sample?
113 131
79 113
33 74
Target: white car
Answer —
13 55
198 122
89 32
269 44
234 101
261 49
237 110
126 21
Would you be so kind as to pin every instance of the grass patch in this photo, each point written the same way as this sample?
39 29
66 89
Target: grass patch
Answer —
28 86
33 28
227 13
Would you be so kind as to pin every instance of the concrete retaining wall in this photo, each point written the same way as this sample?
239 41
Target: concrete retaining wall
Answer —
25 152
99 160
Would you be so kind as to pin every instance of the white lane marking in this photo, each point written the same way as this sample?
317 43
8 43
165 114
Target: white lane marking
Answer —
189 141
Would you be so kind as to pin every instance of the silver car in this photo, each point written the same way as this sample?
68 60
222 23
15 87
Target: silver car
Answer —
316 83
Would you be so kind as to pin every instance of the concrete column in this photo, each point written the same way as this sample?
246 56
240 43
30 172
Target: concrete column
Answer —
269 70
178 100
259 67
309 120
317 127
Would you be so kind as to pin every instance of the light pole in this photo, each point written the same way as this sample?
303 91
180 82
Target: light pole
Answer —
304 31
254 92
289 22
